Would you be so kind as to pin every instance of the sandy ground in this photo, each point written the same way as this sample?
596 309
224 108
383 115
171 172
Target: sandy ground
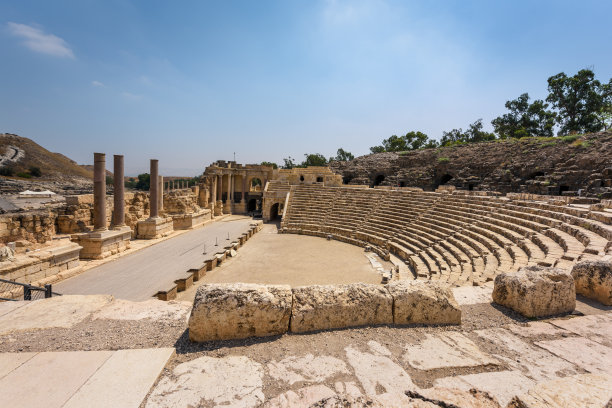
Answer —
294 260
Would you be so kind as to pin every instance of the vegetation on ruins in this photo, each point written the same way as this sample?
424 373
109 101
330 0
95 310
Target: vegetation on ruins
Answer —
342 155
267 163
575 104
317 159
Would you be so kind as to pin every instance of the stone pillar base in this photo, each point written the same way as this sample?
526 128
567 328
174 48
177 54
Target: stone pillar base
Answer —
239 207
99 245
218 208
154 228
189 221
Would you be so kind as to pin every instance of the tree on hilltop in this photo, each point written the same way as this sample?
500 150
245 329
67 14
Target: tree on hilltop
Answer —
583 103
342 155
525 119
410 141
473 134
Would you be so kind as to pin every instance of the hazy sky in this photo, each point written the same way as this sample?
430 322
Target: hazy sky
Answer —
192 82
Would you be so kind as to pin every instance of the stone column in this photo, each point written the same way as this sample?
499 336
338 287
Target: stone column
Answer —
244 187
231 188
213 193
219 187
161 193
118 195
153 189
99 192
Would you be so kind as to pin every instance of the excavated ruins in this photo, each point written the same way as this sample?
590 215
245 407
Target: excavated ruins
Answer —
494 290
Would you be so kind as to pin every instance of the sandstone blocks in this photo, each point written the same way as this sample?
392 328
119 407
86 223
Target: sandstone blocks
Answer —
321 307
240 310
423 302
536 291
594 280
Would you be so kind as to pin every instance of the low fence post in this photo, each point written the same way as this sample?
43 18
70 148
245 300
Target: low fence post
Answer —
27 293
48 292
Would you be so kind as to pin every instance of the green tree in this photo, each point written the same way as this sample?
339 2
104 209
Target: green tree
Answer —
581 101
143 182
410 141
525 119
342 155
289 163
314 159
473 134
267 163
109 180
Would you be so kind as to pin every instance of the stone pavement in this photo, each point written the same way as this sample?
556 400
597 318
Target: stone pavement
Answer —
494 359
140 275
80 378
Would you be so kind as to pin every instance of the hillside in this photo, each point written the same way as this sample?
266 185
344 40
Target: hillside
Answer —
20 153
536 165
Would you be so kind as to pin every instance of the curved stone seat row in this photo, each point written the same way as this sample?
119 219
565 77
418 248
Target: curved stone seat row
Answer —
454 238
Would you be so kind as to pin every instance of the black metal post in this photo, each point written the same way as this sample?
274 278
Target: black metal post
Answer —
48 292
27 293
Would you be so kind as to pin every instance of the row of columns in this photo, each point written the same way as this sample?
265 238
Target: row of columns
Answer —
156 189
174 184
231 187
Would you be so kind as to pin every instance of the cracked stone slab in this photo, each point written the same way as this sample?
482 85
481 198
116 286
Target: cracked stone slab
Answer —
584 390
304 397
154 309
594 327
446 350
232 381
382 379
536 329
586 354
503 385
11 361
472 295
534 362
306 369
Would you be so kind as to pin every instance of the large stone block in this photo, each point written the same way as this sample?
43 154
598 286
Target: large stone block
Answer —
594 280
338 306
536 291
239 310
425 302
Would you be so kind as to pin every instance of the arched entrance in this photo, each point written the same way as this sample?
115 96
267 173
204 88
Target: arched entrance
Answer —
379 179
252 205
274 212
255 184
445 179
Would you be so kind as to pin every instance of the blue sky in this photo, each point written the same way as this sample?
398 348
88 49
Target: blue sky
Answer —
192 82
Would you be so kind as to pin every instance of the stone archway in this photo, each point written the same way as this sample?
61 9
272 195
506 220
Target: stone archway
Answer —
274 211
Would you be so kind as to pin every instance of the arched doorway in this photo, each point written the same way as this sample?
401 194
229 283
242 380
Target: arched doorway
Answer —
255 184
274 212
252 205
347 179
445 179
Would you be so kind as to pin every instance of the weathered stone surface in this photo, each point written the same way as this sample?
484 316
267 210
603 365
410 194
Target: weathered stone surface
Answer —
153 309
306 369
594 327
536 291
232 381
239 310
584 390
6 254
421 301
443 397
594 280
585 353
444 350
336 306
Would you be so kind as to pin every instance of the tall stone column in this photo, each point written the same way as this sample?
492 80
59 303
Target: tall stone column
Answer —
153 189
119 192
231 188
99 192
219 187
161 193
244 187
213 195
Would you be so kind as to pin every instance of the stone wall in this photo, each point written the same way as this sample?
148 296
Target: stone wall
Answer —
232 311
530 165
34 227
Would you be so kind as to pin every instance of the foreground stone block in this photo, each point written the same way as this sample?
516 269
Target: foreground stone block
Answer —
584 390
99 245
239 310
153 228
536 291
337 306
425 302
594 280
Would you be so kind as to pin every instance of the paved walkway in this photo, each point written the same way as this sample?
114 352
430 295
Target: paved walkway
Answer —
140 275
80 378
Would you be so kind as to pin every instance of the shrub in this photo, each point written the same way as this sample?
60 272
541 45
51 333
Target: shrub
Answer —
24 175
7 171
443 160
35 171
569 138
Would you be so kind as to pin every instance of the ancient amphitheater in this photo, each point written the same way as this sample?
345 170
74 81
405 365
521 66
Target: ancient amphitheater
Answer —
345 295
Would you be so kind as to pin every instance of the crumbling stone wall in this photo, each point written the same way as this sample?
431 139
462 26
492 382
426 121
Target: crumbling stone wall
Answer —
530 165
34 226
183 201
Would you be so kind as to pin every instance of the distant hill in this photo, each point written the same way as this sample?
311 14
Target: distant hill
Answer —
20 154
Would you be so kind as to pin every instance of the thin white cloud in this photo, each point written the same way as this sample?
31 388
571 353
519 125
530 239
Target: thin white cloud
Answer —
39 41
131 96
98 84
